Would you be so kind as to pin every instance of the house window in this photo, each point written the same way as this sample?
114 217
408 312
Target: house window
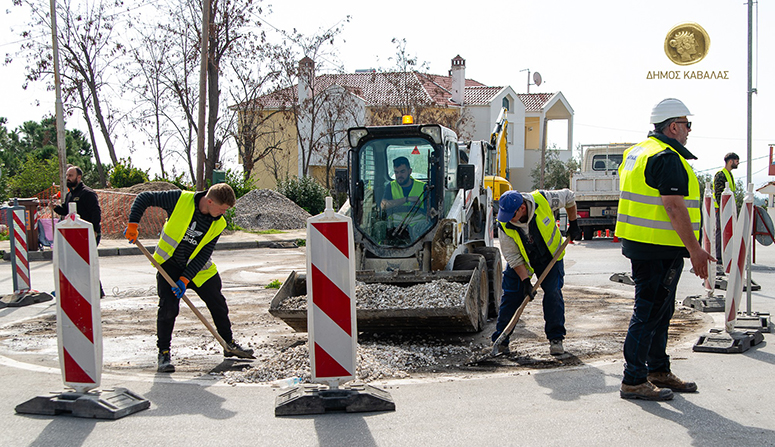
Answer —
506 103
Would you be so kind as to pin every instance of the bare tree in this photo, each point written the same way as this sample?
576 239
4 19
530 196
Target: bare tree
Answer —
304 103
91 55
341 111
277 161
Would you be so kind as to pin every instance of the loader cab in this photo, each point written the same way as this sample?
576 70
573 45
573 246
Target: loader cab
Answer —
398 180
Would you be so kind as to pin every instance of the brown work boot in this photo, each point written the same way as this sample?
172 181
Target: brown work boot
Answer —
669 380
645 391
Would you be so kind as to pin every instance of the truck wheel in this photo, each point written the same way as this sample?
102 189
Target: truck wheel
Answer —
589 233
494 276
471 261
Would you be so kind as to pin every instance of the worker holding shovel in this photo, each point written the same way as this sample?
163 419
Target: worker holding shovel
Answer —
531 242
195 221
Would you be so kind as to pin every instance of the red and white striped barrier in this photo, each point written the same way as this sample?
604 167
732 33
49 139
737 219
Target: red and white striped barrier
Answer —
331 297
709 236
742 243
79 329
20 262
728 209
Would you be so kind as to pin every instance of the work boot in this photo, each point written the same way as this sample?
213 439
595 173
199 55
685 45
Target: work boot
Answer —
645 391
669 380
165 365
236 350
555 347
503 349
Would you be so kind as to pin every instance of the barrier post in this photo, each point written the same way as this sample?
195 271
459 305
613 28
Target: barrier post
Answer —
19 251
709 236
79 331
332 325
728 220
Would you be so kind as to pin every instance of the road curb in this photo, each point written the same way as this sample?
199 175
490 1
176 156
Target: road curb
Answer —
132 251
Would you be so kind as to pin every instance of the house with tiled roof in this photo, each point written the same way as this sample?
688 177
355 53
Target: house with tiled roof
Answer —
380 98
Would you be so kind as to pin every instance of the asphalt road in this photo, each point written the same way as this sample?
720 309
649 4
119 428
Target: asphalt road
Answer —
579 406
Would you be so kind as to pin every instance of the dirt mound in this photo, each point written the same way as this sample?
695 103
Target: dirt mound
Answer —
264 209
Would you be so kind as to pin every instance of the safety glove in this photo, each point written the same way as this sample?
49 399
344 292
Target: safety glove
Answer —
182 283
131 232
527 289
574 231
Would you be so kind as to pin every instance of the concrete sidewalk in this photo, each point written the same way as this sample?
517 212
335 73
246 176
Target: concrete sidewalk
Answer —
234 240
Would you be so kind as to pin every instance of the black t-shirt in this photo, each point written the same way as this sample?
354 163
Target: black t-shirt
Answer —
665 173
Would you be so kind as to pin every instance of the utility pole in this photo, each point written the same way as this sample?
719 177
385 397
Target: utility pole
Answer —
60 118
749 168
200 134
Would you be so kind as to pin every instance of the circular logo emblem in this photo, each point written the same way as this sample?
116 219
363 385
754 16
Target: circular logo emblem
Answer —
687 44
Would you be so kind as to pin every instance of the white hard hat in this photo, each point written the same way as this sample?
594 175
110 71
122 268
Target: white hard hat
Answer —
668 108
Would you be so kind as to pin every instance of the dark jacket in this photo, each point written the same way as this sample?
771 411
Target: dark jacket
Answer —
87 205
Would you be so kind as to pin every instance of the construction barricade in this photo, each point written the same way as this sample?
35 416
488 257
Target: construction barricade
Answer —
332 325
79 331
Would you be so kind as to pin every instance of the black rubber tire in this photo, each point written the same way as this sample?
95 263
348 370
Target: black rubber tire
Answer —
588 232
473 261
494 278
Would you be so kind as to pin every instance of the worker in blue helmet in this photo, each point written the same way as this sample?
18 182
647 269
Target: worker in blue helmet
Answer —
529 238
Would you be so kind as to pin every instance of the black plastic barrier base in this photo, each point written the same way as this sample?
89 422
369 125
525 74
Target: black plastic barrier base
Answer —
728 343
318 399
107 404
24 299
756 321
705 303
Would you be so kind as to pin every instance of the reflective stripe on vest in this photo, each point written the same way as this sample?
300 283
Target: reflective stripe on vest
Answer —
547 226
175 229
641 214
728 175
398 213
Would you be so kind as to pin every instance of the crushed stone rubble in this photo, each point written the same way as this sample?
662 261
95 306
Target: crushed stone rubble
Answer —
436 294
264 209
392 359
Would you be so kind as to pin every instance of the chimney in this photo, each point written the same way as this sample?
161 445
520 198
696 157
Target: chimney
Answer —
458 73
306 77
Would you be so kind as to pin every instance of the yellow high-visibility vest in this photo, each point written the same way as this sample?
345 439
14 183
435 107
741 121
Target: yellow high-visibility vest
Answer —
174 230
398 213
728 175
547 226
641 214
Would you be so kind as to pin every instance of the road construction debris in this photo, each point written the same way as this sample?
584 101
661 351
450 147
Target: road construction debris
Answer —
394 358
436 294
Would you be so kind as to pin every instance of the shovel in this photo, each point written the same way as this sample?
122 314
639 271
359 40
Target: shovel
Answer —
191 305
518 313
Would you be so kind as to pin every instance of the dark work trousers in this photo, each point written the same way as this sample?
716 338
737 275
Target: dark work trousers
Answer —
646 341
719 251
554 306
169 306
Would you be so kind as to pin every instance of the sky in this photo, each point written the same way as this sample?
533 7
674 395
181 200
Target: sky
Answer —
597 53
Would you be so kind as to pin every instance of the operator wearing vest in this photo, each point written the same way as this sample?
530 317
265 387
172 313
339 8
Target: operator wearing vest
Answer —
529 238
402 194
659 224
195 221
720 180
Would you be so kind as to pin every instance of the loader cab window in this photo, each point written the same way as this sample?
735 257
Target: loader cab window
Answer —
396 173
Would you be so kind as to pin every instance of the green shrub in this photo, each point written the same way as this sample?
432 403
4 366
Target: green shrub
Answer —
124 174
239 183
275 284
177 181
34 176
229 216
305 192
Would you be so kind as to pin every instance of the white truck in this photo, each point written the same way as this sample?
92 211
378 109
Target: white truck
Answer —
597 187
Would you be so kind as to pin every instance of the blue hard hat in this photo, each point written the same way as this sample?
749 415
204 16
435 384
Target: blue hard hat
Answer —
508 204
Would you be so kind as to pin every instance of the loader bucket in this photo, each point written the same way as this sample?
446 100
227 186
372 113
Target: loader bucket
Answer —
465 317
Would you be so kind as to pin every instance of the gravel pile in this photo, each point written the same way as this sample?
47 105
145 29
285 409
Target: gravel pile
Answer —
393 359
264 209
435 294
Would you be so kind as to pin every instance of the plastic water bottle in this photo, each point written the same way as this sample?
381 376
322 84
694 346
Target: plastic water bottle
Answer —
287 383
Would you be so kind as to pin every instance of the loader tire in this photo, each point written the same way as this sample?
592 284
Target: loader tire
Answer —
472 261
494 278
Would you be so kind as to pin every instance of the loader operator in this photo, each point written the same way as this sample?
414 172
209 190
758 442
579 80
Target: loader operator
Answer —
402 194
659 224
529 239
195 221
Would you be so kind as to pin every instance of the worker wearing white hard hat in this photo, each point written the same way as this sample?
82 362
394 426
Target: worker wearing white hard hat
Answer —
658 223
